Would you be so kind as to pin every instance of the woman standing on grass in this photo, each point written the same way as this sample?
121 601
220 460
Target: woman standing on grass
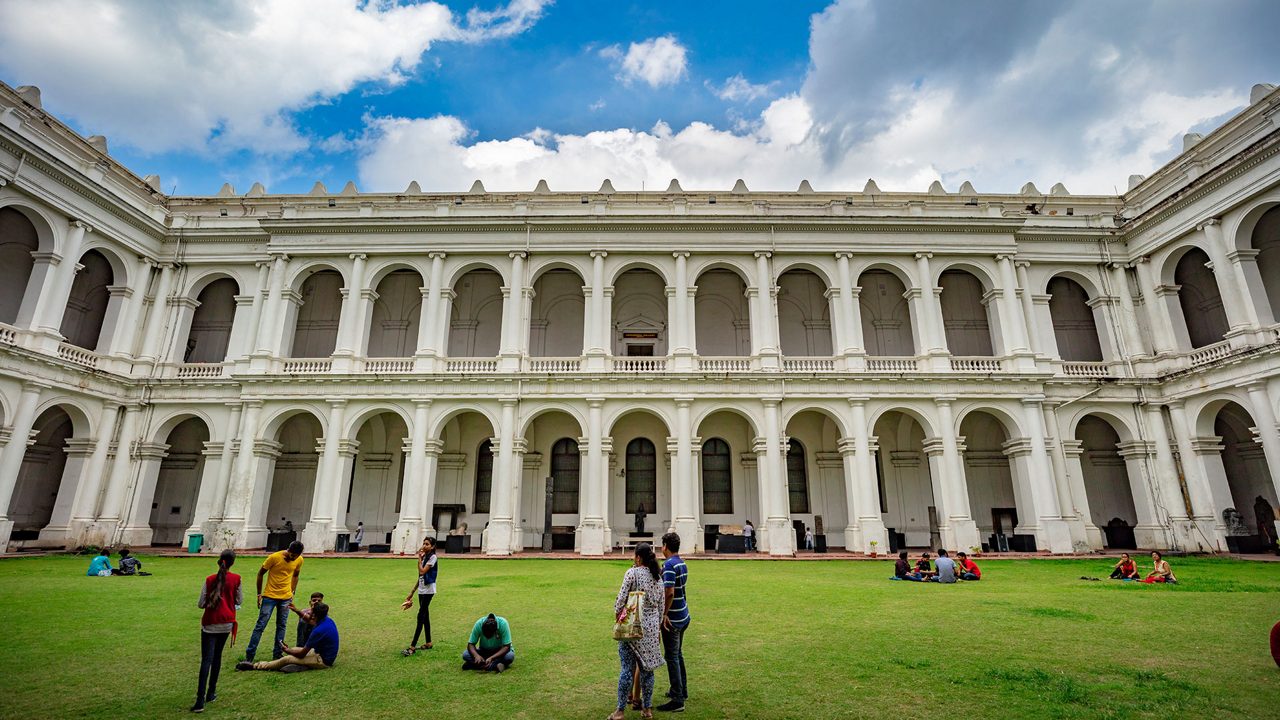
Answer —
219 597
425 588
643 653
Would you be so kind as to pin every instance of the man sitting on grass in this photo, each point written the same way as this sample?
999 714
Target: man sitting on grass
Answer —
320 651
968 568
946 568
489 647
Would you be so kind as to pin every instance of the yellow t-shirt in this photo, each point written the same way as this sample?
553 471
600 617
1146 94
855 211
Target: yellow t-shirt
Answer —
280 575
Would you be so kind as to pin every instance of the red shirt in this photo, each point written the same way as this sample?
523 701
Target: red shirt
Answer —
970 566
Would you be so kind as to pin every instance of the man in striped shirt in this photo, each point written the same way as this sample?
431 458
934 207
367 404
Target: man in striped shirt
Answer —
674 622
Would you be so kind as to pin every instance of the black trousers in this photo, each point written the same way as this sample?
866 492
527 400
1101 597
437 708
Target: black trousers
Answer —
424 619
211 645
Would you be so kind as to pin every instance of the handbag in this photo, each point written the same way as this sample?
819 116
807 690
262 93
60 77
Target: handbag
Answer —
628 625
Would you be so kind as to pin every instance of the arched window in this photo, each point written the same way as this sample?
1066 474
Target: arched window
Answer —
642 476
1200 299
797 477
717 478
565 464
1073 325
484 476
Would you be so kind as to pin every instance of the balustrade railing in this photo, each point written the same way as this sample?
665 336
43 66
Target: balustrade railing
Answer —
306 367
387 366
975 364
1090 369
640 364
79 356
1209 353
892 364
724 364
808 364
200 370
554 365
8 335
471 365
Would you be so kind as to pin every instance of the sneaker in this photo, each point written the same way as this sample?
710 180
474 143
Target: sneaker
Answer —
244 665
499 667
198 707
673 706
211 697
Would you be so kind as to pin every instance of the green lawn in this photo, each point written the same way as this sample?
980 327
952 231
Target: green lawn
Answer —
769 640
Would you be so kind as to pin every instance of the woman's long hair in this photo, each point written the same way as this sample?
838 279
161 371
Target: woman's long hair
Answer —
644 551
225 561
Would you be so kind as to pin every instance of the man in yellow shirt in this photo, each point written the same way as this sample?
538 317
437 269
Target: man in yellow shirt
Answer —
282 570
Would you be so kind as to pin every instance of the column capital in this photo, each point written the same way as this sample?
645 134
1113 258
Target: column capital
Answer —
437 255
923 255
858 401
518 254
34 386
278 255
943 401
1033 399
358 256
336 402
681 254
1021 263
599 254
423 403
1175 403
683 402
1259 385
1006 257
763 254
844 255
508 401
1210 222
252 403
595 402
847 446
771 401
434 447
234 405
81 224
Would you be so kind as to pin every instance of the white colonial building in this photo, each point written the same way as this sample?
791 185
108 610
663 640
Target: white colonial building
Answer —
923 368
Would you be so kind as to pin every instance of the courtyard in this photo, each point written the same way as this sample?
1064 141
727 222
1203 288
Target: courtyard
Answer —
769 639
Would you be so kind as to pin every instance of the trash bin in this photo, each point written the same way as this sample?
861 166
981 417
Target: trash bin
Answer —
194 542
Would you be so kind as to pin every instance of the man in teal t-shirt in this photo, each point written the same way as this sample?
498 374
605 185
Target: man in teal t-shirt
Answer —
101 565
489 647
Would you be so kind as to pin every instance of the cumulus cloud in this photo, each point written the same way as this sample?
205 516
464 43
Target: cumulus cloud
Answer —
739 89
182 76
656 62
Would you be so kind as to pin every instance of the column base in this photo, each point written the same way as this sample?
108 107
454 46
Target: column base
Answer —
424 363
690 533
770 361
1208 534
343 363
509 363
53 536
407 536
136 536
318 537
1151 537
591 538
496 539
960 534
6 531
870 529
261 363
855 361
595 361
1054 535
936 361
777 537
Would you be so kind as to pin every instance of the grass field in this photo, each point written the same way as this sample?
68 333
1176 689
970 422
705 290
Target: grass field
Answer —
769 640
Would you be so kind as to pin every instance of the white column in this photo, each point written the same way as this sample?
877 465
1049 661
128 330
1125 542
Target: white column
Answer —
595 334
136 528
206 494
1205 514
768 322
1052 532
1241 314
350 316
157 316
512 297
121 473
85 506
443 322
52 304
43 269
260 292
777 524
1128 316
963 531
269 336
123 343
1027 304
226 468
591 524
679 324
319 532
1158 319
429 318
685 518
1014 326
14 452
850 309
411 524
1268 434
1167 485
930 311
498 536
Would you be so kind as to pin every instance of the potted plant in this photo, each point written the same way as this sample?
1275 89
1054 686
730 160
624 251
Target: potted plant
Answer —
874 543
976 551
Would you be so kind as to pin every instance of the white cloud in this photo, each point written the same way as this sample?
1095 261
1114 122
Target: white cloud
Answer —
739 89
656 62
186 76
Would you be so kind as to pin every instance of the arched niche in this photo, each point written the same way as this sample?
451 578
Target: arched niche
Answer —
396 316
19 242
86 312
804 314
475 326
173 501
639 323
1074 326
315 333
1200 299
211 324
886 315
965 317
558 315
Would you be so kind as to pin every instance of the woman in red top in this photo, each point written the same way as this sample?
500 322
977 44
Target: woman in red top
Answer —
220 597
1126 569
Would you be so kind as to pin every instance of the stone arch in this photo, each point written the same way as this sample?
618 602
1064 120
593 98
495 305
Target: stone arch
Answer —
728 486
172 499
208 336
640 264
921 416
49 238
558 313
804 313
1122 426
639 322
823 409
733 408
20 242
888 323
484 410
395 315
612 419
910 495
1259 233
274 420
378 269
1199 297
815 476
1075 320
539 266
309 267
967 316
82 420
166 420
48 469
1008 421
722 313
375 485
85 319
353 423
782 266
994 498
316 316
475 317
552 449
542 408
295 469
1244 464
1108 481
454 274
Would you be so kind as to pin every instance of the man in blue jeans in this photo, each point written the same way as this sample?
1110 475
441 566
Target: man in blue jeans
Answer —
674 622
282 570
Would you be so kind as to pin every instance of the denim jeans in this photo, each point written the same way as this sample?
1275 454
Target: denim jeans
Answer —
211 645
507 659
264 614
673 653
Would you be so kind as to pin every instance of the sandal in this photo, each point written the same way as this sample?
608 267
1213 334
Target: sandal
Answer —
647 713
616 715
408 651
426 646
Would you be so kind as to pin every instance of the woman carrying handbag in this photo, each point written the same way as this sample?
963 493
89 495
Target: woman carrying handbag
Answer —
638 614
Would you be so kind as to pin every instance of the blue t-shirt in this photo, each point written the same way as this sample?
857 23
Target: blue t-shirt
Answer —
674 575
324 640
100 563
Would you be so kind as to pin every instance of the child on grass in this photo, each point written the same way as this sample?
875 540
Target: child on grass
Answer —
304 617
425 588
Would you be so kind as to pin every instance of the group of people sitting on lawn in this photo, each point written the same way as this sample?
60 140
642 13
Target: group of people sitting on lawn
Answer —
942 570
1127 569
100 566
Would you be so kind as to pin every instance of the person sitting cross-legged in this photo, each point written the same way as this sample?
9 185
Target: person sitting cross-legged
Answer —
320 651
945 568
968 569
1125 569
489 647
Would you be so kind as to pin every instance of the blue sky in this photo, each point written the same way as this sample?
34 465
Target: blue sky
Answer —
288 92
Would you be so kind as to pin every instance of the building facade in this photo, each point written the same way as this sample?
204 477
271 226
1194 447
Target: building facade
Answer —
1071 372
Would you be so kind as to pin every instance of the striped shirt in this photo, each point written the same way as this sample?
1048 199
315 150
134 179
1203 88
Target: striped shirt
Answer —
674 575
